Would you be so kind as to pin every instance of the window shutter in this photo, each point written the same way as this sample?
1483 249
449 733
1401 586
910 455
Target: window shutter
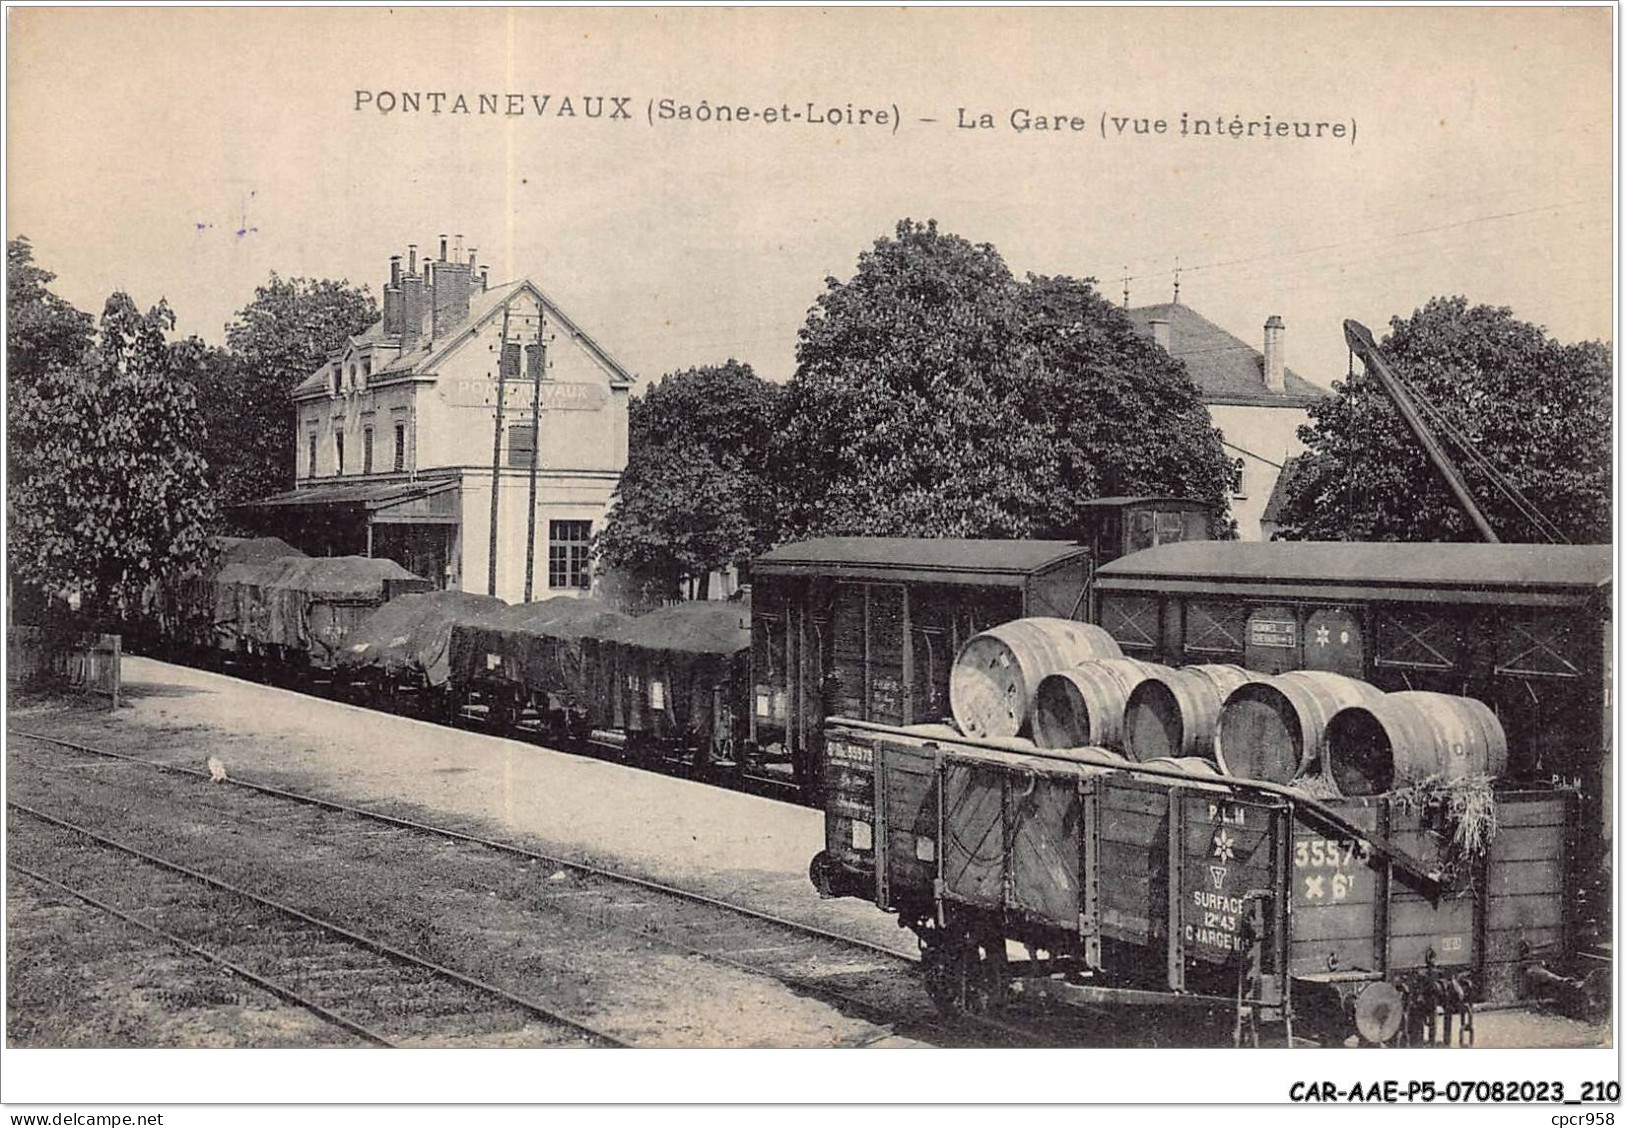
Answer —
510 360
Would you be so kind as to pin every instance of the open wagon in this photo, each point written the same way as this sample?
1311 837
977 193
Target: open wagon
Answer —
1139 885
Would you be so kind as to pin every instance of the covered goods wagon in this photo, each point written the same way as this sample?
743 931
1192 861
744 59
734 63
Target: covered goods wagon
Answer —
868 627
1525 629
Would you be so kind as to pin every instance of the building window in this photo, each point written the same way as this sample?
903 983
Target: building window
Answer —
521 443
310 466
567 546
400 446
1238 486
366 450
338 452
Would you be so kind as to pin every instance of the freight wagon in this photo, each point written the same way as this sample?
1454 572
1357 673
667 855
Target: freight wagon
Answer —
868 627
1523 628
1143 884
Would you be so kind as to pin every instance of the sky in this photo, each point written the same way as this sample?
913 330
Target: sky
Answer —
186 154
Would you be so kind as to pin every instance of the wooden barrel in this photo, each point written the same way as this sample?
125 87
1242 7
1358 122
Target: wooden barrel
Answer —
1084 705
991 687
1175 714
1274 728
1402 738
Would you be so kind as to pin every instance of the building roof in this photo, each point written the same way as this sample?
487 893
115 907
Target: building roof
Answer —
1224 368
945 559
1367 570
1278 492
482 307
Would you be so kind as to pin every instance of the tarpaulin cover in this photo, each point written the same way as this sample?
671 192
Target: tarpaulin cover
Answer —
536 645
677 673
412 633
301 603
186 611
253 550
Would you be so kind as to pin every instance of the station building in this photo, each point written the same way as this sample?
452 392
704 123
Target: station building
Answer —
1253 398
400 441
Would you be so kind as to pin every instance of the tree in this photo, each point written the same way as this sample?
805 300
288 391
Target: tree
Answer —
695 496
108 496
1537 410
936 395
903 413
1121 416
42 329
282 336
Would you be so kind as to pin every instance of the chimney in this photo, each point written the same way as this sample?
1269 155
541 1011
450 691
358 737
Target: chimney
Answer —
451 288
1161 332
457 252
485 278
411 311
442 248
394 270
412 258
392 311
471 252
1275 354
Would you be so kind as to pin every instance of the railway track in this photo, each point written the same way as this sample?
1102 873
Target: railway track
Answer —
373 990
860 978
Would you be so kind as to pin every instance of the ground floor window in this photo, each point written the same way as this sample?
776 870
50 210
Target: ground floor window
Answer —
567 547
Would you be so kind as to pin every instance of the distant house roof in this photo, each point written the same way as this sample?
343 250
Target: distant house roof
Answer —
948 559
1224 368
1278 493
1365 570
482 307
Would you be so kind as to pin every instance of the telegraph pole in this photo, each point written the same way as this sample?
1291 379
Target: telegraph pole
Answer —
496 447
540 366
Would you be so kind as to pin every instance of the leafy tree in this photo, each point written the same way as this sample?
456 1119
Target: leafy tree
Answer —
936 395
904 412
42 329
108 496
1537 410
278 339
695 496
1121 416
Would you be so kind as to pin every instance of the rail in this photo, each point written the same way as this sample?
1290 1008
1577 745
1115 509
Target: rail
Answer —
801 983
381 947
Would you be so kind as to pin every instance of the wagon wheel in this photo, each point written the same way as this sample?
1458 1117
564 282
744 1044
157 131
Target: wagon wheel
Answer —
963 974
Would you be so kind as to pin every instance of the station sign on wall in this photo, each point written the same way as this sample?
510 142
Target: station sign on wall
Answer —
478 391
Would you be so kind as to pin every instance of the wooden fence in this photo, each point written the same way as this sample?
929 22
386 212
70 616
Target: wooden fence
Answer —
80 661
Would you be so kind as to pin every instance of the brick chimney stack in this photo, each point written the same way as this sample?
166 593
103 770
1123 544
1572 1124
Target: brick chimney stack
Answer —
392 298
1162 332
412 306
450 287
1275 354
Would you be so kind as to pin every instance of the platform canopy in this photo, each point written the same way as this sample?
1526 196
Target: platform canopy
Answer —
357 499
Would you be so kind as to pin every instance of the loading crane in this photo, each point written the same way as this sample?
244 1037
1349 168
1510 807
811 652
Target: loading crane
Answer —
1360 342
